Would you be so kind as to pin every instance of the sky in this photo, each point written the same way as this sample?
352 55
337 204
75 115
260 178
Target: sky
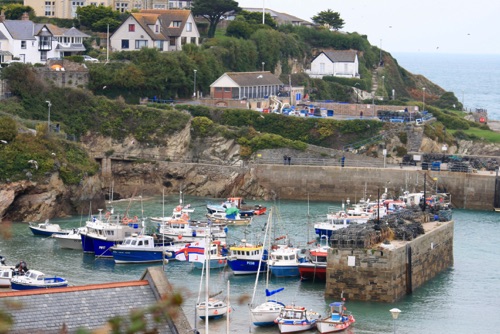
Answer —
429 26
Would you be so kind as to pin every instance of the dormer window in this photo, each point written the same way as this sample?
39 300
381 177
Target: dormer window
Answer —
176 24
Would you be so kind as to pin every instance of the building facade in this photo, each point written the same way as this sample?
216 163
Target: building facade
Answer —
337 63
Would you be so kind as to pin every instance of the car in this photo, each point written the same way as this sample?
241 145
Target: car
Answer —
90 59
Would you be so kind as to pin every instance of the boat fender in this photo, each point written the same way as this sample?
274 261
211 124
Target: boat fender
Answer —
216 312
179 236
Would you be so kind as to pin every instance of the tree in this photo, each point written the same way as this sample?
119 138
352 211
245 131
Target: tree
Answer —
330 18
15 11
89 15
8 129
213 11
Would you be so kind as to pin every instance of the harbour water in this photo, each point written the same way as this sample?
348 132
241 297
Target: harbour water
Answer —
464 299
473 78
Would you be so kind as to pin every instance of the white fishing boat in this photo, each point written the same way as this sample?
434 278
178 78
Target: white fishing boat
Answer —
211 307
339 319
264 314
72 240
187 231
296 319
179 212
46 229
34 279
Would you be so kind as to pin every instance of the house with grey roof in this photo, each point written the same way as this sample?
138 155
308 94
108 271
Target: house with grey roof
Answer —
36 42
338 63
165 30
65 310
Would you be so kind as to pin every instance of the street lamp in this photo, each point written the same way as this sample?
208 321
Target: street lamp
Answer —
48 123
263 63
384 153
194 85
395 313
423 98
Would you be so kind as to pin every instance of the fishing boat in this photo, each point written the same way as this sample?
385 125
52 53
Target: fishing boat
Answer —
338 320
210 308
284 261
264 314
72 240
247 258
6 273
314 268
46 229
195 253
145 249
237 202
296 319
336 220
34 279
188 232
180 211
232 216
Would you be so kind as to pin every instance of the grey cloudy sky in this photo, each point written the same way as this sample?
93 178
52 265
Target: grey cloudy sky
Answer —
429 26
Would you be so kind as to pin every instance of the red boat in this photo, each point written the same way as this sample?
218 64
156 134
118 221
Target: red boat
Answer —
315 267
246 210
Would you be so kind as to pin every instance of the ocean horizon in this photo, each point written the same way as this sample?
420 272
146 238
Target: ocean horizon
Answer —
473 78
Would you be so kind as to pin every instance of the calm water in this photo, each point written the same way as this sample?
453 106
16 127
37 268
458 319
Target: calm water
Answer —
463 299
475 79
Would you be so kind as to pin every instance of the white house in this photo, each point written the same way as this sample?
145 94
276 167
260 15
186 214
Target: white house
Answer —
36 42
338 63
166 30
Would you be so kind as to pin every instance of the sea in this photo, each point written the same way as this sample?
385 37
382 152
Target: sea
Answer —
463 299
473 78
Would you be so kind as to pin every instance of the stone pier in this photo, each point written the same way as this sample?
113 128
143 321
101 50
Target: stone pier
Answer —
386 275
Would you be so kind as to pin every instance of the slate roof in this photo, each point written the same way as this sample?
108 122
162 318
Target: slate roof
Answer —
341 56
246 79
89 306
280 18
20 29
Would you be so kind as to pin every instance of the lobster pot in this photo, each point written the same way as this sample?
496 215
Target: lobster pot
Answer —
444 215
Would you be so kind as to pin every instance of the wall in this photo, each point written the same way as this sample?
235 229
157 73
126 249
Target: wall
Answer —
386 276
333 183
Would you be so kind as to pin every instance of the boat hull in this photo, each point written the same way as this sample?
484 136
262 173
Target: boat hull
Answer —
330 326
296 327
87 244
67 242
246 267
265 314
285 271
103 248
312 272
214 264
138 256
44 233
48 283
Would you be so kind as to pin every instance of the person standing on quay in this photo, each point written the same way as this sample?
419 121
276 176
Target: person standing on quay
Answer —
342 161
289 160
285 158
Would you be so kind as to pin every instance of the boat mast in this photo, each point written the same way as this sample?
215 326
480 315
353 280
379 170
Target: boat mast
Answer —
260 260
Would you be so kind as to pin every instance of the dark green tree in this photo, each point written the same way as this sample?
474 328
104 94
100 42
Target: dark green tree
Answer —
213 10
330 18
256 18
102 25
15 11
89 15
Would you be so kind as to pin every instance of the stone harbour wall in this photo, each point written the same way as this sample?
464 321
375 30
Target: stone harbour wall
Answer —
382 275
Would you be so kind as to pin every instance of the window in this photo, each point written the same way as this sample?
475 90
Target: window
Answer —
49 8
122 7
176 24
43 55
183 40
321 67
140 43
23 44
157 28
159 6
131 27
193 40
75 5
189 26
159 45
125 44
172 41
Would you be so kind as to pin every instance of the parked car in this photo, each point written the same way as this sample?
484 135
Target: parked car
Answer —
90 59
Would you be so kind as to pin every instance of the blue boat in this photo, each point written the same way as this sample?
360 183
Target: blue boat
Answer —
145 249
47 229
102 235
34 279
284 261
244 259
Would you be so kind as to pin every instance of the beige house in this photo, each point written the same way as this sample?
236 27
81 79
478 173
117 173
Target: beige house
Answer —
66 9
166 30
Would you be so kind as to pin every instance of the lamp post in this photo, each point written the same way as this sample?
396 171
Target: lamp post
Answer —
194 85
48 122
383 87
395 313
423 98
384 153
263 63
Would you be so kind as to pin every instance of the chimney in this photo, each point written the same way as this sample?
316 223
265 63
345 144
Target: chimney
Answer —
25 17
2 16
